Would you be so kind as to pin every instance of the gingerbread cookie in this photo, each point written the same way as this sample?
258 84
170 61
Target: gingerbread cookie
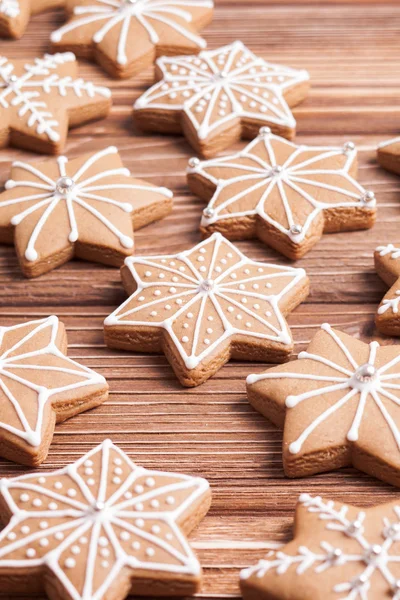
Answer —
339 405
15 14
220 96
39 100
126 36
204 306
87 207
387 264
286 195
99 529
389 155
40 386
339 552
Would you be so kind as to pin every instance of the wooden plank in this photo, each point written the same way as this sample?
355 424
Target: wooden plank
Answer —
351 50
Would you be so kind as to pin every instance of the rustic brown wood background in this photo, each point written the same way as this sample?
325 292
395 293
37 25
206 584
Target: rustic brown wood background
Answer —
352 51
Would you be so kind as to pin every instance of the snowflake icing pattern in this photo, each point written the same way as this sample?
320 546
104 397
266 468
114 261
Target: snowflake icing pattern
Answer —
219 86
23 363
212 290
152 15
74 190
104 512
366 383
374 560
307 172
391 304
24 96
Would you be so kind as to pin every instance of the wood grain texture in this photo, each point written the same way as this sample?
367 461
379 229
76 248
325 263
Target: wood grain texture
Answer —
352 51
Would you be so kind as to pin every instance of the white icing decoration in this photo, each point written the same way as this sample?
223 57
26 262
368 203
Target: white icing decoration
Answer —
360 383
26 93
152 15
389 142
389 249
266 179
390 304
97 519
205 79
10 8
74 191
375 560
12 363
208 290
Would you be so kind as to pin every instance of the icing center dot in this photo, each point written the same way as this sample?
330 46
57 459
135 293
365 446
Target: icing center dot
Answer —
65 185
206 285
9 81
365 377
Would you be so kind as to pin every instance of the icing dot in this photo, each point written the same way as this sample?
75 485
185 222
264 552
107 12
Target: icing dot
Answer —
268 313
150 482
59 536
70 563
90 481
256 306
141 298
154 503
118 471
37 502
139 523
43 524
31 553
248 324
209 330
71 493
147 274
153 313
88 463
116 480
210 318
105 552
44 542
104 564
186 326
167 307
185 339
233 276
150 552
58 485
242 287
42 480
190 315
268 285
255 286
75 550
24 497
157 293
25 529
170 500
156 529
230 309
125 536
207 342
172 290
136 545
169 536
139 506
139 489
161 276
53 506
83 540
89 471
12 536
103 541
179 301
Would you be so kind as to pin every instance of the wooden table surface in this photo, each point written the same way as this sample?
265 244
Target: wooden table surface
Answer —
353 54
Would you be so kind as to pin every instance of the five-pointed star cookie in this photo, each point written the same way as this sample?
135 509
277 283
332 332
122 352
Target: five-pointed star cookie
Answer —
87 207
99 528
220 96
339 404
40 386
339 552
205 306
389 155
15 14
40 99
387 264
286 195
126 36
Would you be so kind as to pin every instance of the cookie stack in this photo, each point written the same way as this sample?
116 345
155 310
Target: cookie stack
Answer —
103 527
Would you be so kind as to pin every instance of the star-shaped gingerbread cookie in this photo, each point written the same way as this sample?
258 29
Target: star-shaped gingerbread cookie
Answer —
220 96
87 207
40 99
15 14
40 386
389 155
284 194
339 405
101 528
204 306
126 36
387 264
339 552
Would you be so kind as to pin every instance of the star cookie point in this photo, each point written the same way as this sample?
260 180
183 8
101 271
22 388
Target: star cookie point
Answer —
338 551
206 304
15 14
219 96
389 155
338 406
103 523
36 98
87 206
125 36
284 194
387 265
40 385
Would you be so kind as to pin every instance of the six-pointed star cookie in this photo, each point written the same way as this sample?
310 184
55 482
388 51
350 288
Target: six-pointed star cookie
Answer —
87 207
126 36
220 96
99 528
15 14
40 386
40 99
387 264
205 306
339 404
339 552
389 155
286 195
